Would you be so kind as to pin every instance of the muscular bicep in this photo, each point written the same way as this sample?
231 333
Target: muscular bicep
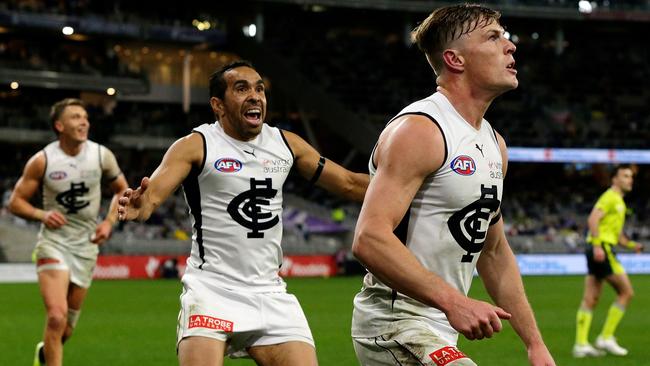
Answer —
305 156
30 181
325 173
175 167
495 237
407 152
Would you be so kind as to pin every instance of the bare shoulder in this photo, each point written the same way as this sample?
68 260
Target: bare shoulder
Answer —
296 143
190 147
414 138
35 166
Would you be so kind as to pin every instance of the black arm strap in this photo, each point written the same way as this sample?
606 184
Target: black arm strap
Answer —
319 170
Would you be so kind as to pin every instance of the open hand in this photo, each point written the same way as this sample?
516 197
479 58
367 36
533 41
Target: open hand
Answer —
130 203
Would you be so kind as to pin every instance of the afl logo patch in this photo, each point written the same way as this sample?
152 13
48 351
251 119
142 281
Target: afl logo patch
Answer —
228 165
463 165
58 175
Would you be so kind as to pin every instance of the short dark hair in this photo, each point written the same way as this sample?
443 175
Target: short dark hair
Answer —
621 167
57 109
218 84
447 24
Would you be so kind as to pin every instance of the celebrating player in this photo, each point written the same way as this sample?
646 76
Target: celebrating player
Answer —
605 232
70 171
232 172
432 211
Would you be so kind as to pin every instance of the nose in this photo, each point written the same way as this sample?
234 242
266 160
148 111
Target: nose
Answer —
510 47
255 97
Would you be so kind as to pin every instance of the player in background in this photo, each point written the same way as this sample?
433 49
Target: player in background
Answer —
432 211
232 172
606 222
70 171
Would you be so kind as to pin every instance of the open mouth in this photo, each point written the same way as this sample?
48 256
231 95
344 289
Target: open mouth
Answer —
253 115
511 66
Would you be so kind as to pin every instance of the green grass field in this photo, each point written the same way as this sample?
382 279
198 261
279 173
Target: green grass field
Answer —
133 323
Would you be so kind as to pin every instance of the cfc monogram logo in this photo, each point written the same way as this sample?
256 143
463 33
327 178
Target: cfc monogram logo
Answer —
248 204
469 226
69 199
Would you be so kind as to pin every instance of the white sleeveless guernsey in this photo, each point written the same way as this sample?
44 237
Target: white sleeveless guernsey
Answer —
446 223
235 202
71 185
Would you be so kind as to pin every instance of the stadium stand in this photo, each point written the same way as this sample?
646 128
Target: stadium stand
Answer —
335 74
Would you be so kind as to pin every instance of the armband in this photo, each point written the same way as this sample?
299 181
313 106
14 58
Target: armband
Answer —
319 170
631 244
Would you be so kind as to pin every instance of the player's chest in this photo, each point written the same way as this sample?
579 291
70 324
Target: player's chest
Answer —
64 171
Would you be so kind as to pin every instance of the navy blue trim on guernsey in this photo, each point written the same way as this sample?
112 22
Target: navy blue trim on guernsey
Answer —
41 185
44 169
444 138
193 195
293 156
401 232
99 153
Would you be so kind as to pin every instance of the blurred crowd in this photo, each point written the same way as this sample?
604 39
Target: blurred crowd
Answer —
581 85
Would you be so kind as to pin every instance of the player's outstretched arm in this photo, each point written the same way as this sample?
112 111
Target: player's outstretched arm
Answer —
408 151
630 244
139 204
332 177
25 189
498 262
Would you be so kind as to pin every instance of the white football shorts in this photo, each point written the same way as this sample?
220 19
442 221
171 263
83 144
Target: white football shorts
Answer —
411 344
243 319
49 256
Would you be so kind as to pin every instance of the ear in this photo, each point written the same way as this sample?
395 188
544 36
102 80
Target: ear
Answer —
217 106
58 126
453 60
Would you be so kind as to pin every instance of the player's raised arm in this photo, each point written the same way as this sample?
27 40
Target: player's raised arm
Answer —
139 203
413 139
326 173
25 189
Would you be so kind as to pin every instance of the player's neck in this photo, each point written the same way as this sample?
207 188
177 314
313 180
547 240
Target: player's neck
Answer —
618 190
71 148
469 104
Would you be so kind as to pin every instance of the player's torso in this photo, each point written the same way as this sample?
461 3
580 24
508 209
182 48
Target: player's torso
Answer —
612 223
446 224
71 185
237 198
